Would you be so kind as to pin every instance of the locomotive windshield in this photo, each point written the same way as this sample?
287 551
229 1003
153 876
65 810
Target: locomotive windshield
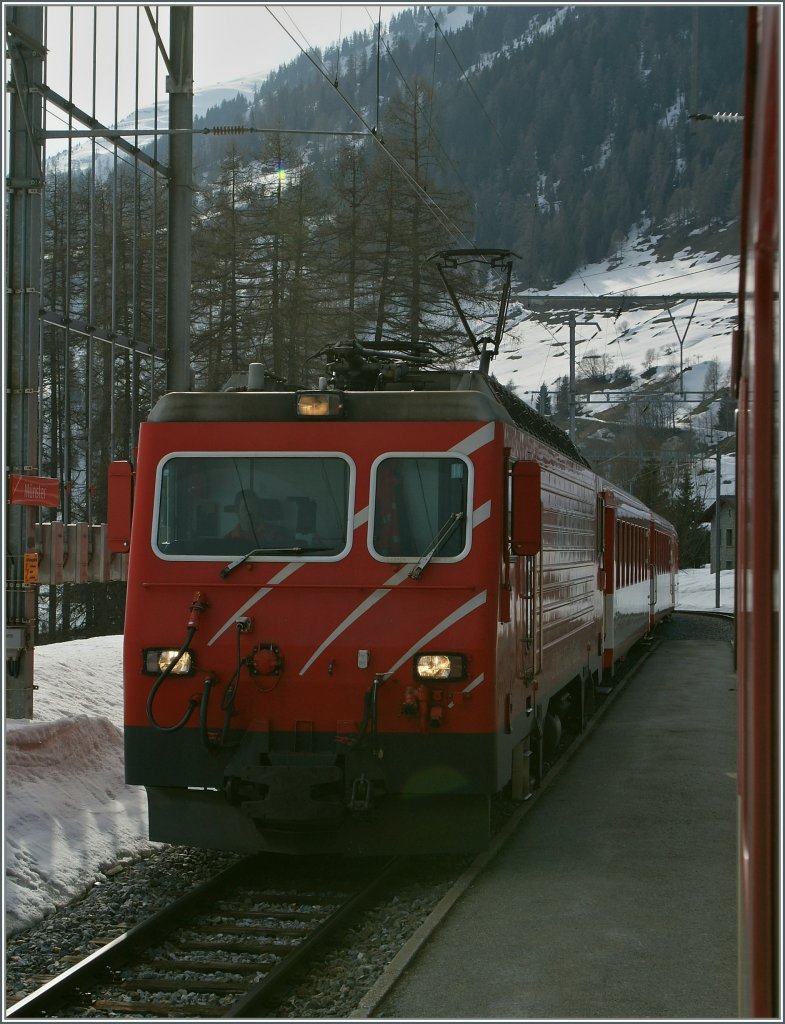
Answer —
223 505
415 498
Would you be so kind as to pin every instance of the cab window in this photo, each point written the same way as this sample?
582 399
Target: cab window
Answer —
227 504
415 497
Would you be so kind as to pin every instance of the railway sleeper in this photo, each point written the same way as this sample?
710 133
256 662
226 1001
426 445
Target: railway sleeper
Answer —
229 966
326 903
250 930
179 984
180 1010
235 947
281 915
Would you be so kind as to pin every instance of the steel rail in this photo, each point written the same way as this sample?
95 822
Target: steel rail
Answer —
711 612
100 968
120 950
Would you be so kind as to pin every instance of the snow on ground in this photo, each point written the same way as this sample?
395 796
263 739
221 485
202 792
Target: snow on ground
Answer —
68 814
697 591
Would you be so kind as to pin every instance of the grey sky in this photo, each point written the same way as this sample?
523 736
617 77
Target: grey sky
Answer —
230 42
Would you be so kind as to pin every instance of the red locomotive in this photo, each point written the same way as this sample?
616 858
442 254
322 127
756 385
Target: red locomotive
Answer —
354 615
756 378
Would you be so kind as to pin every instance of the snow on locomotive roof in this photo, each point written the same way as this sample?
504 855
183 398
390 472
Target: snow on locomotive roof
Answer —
427 396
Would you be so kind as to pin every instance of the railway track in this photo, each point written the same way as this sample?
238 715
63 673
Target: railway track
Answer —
222 950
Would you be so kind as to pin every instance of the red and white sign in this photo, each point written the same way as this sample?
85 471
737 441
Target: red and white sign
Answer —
34 490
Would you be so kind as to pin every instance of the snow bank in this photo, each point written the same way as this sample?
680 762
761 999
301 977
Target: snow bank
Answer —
69 814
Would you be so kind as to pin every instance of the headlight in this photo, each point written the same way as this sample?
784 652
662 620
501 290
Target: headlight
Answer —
325 404
158 659
440 666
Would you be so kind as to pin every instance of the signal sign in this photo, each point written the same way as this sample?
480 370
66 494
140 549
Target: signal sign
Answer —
31 568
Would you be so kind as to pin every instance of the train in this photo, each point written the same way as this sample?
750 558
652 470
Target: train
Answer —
357 613
756 369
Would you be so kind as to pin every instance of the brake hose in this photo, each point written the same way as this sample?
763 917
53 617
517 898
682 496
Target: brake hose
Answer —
369 716
197 607
227 704
192 703
375 712
208 685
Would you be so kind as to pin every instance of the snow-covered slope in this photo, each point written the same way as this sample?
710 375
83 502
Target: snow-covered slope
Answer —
655 345
535 350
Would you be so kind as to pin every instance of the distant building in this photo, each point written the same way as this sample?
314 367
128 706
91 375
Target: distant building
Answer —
727 526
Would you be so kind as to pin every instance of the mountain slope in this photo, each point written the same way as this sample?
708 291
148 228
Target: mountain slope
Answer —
565 125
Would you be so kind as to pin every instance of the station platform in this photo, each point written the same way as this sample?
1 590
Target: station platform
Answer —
615 897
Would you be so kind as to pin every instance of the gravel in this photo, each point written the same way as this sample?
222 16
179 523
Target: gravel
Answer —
697 626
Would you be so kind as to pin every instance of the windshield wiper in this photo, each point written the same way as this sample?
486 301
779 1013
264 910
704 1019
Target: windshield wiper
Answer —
266 551
446 531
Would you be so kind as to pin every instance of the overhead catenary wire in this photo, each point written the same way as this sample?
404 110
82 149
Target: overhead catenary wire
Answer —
96 133
339 47
428 119
377 134
663 280
465 76
617 338
437 211
431 205
378 65
305 39
230 129
622 292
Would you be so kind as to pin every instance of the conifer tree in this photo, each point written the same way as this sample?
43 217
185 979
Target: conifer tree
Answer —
650 488
412 216
686 513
